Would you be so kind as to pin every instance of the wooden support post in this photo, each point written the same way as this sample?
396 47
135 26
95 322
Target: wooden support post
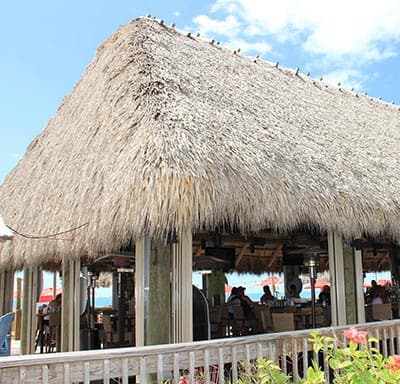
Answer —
29 321
152 291
182 291
70 306
349 283
159 294
142 255
359 282
345 265
18 312
338 304
6 289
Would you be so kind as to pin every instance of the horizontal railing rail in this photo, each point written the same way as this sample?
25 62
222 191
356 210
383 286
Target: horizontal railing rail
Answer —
215 361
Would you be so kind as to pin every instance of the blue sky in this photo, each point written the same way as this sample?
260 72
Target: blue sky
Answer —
45 46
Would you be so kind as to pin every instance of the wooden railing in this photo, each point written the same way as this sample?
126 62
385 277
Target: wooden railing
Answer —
216 361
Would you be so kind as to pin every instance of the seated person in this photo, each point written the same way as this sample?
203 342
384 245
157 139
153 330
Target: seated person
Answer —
233 300
376 294
324 297
246 303
248 313
380 296
267 296
293 292
55 304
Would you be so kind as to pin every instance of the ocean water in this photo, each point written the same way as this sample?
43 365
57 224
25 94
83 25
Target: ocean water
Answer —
103 301
256 292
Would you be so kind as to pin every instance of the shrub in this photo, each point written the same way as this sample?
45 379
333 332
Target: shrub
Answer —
356 362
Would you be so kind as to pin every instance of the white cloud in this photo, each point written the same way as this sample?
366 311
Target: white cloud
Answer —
348 78
258 47
176 13
226 27
337 38
363 29
230 28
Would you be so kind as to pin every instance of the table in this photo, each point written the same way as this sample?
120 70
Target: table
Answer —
302 318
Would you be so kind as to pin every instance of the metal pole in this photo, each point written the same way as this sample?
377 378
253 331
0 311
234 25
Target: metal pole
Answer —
121 308
312 280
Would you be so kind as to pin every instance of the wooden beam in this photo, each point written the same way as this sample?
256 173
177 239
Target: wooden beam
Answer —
198 251
274 256
239 257
382 261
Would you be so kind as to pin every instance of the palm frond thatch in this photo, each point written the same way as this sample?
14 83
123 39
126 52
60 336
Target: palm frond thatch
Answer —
166 131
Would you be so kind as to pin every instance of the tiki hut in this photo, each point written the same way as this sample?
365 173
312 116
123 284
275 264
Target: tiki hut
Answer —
168 134
166 131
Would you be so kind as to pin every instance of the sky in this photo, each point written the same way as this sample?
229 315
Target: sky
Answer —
46 45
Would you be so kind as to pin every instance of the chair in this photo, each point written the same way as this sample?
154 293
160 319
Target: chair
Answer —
226 323
322 316
263 315
54 332
42 339
108 330
382 311
238 320
215 321
5 326
283 322
241 325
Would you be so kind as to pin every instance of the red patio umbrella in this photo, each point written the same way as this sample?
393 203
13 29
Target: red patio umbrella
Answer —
271 280
47 295
319 284
381 282
228 289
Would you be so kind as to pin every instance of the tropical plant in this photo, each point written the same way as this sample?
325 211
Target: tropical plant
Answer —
358 361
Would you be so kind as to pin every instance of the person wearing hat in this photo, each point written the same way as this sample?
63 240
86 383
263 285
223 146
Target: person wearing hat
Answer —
247 305
232 301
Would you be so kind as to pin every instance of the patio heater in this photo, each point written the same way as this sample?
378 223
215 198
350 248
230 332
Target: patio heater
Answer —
311 261
89 335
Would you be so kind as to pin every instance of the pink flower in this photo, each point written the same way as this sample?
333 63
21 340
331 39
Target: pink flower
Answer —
394 365
356 336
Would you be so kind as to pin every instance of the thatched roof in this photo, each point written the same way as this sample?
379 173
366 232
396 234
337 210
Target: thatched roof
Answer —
5 233
166 131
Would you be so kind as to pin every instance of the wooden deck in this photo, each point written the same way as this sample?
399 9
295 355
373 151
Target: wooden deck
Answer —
217 360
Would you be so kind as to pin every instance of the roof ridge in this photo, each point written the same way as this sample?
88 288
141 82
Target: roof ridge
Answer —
305 76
